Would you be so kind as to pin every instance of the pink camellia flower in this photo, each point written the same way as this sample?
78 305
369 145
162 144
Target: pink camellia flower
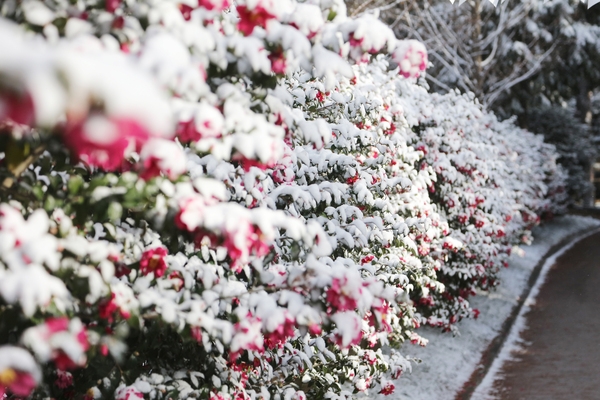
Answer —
387 389
315 329
208 122
382 314
411 57
248 163
278 64
367 259
16 382
109 307
162 156
251 18
63 379
191 213
186 132
55 325
247 336
128 393
186 11
279 336
214 5
103 142
197 334
349 331
64 362
176 280
219 396
60 340
338 298
242 240
17 107
370 357
153 260
19 373
112 5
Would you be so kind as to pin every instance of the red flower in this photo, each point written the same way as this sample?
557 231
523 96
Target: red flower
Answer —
411 57
102 142
338 299
191 212
186 11
129 393
118 22
243 240
112 5
64 362
107 309
352 180
54 325
121 269
63 379
278 64
17 107
248 163
387 389
197 334
162 156
216 5
367 259
16 382
321 96
249 19
61 359
208 122
176 280
315 329
279 336
153 260
355 42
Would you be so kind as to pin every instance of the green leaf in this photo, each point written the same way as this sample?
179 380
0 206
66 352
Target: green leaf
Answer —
115 211
75 183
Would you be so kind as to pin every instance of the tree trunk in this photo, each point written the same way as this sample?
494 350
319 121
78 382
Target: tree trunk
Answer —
584 113
476 38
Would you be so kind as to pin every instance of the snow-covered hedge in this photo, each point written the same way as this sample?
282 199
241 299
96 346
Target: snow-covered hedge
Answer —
202 199
574 143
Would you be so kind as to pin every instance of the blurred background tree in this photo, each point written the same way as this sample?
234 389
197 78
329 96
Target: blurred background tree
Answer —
518 57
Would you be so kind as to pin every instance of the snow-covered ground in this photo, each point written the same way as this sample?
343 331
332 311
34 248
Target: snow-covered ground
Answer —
448 362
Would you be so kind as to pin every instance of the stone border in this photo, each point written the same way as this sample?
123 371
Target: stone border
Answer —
493 349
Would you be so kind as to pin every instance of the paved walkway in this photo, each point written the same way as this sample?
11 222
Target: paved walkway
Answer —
562 358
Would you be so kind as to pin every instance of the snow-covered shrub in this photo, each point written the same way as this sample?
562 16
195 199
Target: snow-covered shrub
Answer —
573 144
203 199
494 182
146 169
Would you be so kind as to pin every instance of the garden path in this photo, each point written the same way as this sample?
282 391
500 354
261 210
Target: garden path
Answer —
560 358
